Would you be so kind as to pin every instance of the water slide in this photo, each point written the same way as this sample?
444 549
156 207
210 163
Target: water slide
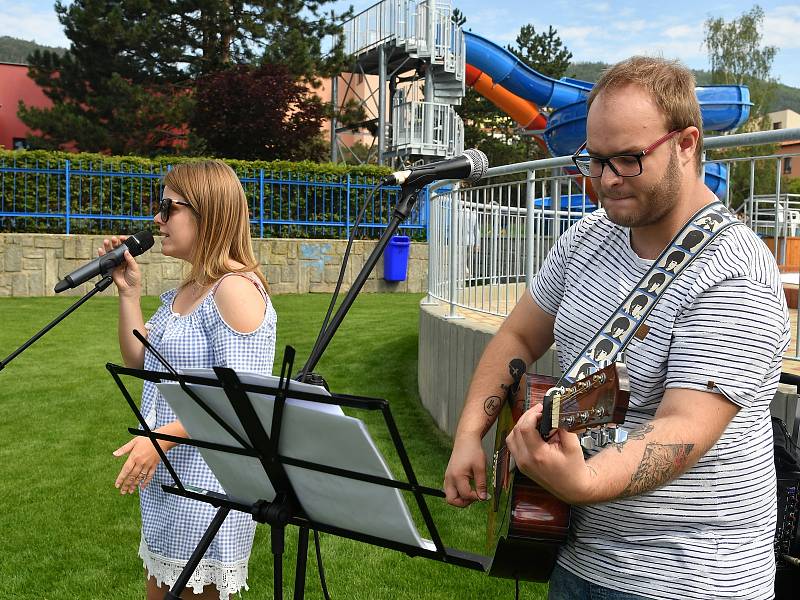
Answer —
520 91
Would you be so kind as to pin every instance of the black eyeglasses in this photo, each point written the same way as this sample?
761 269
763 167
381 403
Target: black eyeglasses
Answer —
165 204
622 165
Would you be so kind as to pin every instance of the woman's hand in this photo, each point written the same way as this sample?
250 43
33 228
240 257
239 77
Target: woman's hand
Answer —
140 466
127 276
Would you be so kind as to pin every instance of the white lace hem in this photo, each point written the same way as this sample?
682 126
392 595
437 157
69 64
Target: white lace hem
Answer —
229 578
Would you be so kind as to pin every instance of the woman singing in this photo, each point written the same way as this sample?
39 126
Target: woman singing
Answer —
221 315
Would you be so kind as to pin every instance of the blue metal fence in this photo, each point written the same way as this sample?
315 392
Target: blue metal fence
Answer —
89 197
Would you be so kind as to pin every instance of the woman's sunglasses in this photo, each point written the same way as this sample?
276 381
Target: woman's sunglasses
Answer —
165 205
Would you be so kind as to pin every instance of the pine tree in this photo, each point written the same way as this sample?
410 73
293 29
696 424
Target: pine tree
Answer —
126 84
544 52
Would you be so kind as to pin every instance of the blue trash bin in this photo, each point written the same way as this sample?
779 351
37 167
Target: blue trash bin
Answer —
395 258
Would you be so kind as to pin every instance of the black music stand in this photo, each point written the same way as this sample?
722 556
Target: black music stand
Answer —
787 535
250 440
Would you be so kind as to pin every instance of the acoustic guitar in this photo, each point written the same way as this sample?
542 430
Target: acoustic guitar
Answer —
527 524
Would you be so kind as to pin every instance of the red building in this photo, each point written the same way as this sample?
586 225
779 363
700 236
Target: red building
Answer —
15 85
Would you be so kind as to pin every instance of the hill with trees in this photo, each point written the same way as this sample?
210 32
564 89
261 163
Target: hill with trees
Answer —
15 50
784 96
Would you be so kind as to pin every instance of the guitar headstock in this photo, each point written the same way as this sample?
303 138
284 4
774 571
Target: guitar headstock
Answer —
596 400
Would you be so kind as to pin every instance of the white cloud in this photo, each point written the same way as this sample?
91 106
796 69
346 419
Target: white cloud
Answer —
682 32
573 35
36 21
781 27
632 26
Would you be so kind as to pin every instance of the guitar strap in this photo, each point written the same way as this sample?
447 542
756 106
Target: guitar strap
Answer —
628 321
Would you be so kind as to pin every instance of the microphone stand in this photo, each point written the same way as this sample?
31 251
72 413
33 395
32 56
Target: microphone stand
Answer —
98 287
408 197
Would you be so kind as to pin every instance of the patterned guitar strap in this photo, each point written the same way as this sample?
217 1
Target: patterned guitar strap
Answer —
628 321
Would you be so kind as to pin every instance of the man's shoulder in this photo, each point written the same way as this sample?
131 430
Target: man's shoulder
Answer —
742 253
594 226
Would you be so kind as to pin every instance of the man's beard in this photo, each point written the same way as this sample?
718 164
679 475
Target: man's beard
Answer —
661 198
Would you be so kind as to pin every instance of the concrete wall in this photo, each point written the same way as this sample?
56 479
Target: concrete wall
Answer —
449 350
31 264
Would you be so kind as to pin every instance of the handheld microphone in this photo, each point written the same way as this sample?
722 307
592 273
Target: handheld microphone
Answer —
470 166
103 265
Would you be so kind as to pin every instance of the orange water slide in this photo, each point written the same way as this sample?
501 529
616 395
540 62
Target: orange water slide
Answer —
524 112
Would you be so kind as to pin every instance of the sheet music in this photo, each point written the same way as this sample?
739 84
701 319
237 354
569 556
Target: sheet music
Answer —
311 431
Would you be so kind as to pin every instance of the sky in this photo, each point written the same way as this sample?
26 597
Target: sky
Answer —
605 31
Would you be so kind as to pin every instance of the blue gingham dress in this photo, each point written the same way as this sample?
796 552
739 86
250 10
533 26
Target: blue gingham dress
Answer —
172 526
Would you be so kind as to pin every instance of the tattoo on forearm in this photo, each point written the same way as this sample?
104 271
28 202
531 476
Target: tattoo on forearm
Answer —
636 434
492 405
660 463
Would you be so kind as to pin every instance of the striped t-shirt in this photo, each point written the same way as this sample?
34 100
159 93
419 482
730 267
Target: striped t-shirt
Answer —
722 323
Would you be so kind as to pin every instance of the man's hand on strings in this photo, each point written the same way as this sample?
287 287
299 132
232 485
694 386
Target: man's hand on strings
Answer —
467 465
556 464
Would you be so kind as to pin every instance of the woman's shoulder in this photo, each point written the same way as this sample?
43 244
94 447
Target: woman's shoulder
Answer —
241 301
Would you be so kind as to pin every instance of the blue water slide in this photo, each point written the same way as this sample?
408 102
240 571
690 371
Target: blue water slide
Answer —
509 71
723 107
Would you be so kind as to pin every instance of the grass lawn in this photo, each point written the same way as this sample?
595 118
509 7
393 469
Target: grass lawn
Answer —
68 534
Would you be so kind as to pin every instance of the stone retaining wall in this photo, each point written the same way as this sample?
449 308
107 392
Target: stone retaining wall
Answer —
31 264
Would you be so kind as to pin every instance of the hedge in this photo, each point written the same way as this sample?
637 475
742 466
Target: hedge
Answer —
128 187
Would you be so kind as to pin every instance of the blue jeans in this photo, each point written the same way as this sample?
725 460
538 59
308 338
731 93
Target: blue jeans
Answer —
566 586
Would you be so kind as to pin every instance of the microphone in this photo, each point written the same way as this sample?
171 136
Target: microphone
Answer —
103 265
470 166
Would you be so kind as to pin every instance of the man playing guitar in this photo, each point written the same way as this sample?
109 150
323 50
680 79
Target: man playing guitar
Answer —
685 508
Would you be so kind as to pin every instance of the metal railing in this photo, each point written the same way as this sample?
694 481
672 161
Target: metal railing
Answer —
486 242
66 196
378 24
427 128
423 27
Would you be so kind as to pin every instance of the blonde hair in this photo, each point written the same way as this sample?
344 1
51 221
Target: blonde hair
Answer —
670 84
222 216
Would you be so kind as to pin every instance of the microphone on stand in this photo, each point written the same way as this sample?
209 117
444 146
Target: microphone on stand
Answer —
470 166
103 265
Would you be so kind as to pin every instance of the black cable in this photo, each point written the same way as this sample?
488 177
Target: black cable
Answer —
320 568
341 273
516 588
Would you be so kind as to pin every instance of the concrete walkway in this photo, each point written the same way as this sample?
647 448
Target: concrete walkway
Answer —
505 297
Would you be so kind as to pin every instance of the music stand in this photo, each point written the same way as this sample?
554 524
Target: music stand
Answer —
253 422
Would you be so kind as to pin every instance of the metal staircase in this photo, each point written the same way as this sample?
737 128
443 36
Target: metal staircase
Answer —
418 54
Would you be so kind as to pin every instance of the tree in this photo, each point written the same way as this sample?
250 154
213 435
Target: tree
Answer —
238 120
737 57
544 52
132 64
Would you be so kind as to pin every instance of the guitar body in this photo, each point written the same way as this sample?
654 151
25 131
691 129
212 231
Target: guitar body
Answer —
527 524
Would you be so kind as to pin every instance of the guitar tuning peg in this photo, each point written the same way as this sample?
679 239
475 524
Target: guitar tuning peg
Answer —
619 435
602 436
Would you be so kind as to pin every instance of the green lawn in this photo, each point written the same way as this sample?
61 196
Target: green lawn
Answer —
67 533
